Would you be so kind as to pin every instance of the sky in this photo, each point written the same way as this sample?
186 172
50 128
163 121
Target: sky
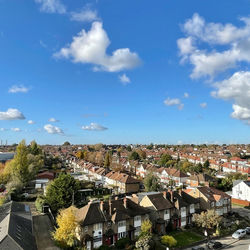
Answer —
125 71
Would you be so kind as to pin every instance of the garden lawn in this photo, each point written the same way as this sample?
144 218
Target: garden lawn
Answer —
185 238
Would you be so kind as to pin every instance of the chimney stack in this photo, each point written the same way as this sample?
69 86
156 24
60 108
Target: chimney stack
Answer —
125 202
110 206
101 206
164 194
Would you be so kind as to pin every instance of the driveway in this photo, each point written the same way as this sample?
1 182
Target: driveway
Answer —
42 230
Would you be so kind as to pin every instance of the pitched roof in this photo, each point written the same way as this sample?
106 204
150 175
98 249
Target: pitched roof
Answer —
16 227
213 194
159 202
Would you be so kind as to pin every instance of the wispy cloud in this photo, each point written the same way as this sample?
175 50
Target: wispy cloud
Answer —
51 6
16 129
85 15
11 114
18 89
31 122
174 102
94 127
124 79
52 119
203 105
186 95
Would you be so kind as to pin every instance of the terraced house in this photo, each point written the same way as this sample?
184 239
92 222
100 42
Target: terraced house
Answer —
105 222
212 198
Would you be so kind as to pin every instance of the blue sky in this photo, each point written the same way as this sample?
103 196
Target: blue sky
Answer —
131 71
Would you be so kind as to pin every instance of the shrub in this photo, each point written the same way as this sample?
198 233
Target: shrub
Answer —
40 201
169 241
122 243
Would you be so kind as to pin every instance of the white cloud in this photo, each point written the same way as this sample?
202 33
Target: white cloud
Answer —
18 89
85 15
236 89
203 105
3 129
124 79
174 102
94 127
53 129
31 122
11 114
90 47
16 129
210 63
52 119
186 95
52 6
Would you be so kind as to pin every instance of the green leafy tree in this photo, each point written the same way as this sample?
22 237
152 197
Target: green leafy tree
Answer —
66 143
151 182
134 156
164 159
206 164
62 192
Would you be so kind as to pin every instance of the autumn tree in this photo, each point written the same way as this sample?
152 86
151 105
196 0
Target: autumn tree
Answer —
108 159
145 236
65 234
208 220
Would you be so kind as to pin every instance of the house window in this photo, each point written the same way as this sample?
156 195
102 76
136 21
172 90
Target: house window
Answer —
97 226
86 229
122 223
137 218
192 208
183 212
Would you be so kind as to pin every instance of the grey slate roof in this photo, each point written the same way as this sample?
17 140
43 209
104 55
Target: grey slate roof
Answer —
16 227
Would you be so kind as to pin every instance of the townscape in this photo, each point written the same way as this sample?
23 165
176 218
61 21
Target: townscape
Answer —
124 125
122 196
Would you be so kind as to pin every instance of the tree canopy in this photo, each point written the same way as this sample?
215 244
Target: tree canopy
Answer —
151 182
62 192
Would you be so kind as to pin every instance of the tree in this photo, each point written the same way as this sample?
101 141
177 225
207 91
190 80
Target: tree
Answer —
146 227
107 160
226 184
142 154
168 240
134 156
129 148
207 220
206 164
62 192
66 143
20 163
164 159
65 234
145 236
151 182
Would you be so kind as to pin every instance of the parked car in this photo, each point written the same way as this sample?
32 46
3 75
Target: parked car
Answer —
239 234
247 230
214 244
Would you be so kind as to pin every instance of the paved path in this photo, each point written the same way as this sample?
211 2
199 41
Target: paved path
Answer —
42 230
